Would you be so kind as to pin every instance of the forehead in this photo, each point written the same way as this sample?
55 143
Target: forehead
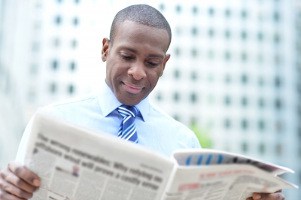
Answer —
129 32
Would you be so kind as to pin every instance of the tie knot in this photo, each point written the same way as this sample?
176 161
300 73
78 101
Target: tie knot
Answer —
125 110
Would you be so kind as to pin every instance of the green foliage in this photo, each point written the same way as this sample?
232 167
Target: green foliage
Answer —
202 135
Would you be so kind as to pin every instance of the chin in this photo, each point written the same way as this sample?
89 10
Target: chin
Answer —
129 101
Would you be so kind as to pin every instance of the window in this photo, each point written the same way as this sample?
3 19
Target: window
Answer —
54 65
227 34
176 97
72 66
244 56
194 52
260 36
71 89
194 75
276 17
261 81
244 79
211 11
227 123
227 100
243 35
74 43
211 32
195 10
244 101
278 103
75 21
194 31
227 55
279 126
279 149
244 124
245 147
162 7
193 97
228 12
53 88
58 20
261 102
277 82
176 74
178 9
159 96
177 51
277 38
262 148
261 125
244 14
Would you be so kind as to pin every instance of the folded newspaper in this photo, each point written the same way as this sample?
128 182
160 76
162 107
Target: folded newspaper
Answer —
77 164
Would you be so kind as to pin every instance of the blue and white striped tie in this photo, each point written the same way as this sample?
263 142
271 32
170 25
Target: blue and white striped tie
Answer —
127 129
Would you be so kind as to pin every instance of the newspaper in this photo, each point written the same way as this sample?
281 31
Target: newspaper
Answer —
77 164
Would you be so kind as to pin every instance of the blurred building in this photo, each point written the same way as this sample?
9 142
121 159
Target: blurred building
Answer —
12 119
235 69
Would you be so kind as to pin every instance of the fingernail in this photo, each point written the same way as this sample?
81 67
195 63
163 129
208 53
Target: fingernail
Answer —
36 182
256 196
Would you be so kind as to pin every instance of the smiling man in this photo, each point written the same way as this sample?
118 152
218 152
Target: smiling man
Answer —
135 56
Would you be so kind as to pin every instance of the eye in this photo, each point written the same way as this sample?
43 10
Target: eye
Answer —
152 64
127 57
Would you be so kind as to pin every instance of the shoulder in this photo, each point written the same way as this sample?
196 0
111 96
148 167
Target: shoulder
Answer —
159 114
72 107
71 102
174 128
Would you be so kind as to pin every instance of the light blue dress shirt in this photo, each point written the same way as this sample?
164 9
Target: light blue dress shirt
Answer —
156 130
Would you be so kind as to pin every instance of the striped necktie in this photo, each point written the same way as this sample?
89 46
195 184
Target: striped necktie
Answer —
127 129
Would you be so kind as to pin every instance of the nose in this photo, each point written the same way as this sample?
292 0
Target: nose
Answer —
137 71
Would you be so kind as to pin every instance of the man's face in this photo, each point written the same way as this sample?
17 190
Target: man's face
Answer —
135 60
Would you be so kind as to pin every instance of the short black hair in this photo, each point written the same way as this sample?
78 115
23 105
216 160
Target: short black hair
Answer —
142 14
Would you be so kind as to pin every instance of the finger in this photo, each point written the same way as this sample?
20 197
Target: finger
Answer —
9 191
256 196
6 196
11 178
267 196
25 174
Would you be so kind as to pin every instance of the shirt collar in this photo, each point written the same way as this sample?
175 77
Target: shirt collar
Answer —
108 103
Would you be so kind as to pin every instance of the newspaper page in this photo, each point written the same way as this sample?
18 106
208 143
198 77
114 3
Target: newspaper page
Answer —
216 175
203 157
76 164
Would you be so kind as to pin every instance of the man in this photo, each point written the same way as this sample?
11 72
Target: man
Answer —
135 57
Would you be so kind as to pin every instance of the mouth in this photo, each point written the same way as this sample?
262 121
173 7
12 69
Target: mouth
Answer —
133 89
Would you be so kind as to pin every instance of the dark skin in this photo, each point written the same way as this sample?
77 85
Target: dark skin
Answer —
134 63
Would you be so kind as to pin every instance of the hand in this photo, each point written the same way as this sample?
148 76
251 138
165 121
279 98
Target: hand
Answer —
266 196
17 182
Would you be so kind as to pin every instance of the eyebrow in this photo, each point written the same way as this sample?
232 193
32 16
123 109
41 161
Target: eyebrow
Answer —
135 51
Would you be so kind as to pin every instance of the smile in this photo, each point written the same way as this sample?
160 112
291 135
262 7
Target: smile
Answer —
133 89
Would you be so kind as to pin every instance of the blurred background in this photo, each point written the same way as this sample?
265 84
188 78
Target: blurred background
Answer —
234 74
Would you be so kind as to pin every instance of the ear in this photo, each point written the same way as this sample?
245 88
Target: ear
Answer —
105 49
167 56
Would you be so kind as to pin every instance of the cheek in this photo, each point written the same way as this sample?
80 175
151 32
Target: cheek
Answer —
153 78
